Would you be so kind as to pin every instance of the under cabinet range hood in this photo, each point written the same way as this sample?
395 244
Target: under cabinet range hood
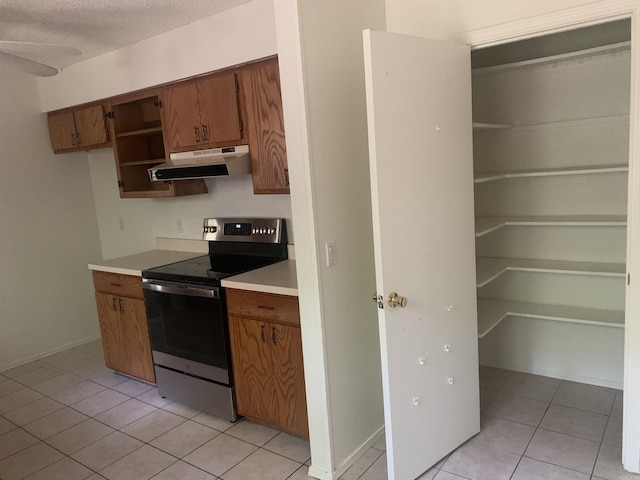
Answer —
213 162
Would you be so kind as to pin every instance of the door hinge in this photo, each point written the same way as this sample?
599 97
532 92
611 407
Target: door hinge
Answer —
237 87
120 184
106 115
157 103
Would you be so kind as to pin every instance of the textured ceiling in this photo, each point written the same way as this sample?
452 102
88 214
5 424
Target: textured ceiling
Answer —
97 26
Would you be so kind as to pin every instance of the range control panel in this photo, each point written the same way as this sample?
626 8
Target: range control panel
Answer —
263 230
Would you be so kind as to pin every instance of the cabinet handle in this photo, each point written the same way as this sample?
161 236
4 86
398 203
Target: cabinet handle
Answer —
73 139
196 132
265 307
262 334
121 307
204 133
273 335
286 177
78 138
113 302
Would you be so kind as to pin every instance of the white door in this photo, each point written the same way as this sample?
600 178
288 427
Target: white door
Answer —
421 165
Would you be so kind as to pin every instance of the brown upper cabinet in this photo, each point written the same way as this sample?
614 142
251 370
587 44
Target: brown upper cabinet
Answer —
238 106
202 114
265 127
139 144
81 129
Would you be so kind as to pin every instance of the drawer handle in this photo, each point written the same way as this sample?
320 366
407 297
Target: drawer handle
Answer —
265 307
115 284
273 335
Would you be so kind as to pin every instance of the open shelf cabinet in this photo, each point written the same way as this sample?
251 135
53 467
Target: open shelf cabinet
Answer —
550 246
139 144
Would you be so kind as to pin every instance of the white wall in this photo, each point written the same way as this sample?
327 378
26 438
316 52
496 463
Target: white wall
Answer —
145 218
232 37
322 72
48 234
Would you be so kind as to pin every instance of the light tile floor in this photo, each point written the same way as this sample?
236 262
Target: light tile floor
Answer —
68 417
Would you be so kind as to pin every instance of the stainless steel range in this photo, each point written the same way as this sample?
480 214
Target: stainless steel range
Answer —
186 309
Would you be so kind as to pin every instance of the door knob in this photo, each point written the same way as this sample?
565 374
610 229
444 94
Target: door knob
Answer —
396 300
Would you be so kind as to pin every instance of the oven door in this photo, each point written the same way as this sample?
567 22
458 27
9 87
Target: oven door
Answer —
188 328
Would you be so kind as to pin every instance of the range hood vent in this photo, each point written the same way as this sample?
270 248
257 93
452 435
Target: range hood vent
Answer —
214 162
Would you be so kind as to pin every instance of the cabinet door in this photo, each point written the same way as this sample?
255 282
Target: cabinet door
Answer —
135 330
255 396
113 338
219 109
181 115
288 373
265 129
62 131
91 127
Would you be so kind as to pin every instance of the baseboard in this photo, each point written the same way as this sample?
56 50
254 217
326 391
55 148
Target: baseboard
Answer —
572 377
38 356
322 475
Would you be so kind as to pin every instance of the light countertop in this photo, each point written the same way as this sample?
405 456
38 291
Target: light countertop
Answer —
134 264
279 278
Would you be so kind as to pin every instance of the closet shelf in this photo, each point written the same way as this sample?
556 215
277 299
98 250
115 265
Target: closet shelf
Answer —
491 126
492 312
485 225
551 172
488 269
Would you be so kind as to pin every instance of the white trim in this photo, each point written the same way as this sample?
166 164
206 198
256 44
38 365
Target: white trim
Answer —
33 358
583 16
310 291
355 456
591 14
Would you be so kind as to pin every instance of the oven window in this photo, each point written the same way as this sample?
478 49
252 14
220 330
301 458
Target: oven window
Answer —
187 327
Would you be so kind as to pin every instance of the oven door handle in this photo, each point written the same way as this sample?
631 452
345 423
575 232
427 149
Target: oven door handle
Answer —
180 289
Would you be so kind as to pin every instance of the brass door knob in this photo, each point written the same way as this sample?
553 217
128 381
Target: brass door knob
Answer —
396 300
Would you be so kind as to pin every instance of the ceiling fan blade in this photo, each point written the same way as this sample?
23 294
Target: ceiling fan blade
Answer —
28 66
37 48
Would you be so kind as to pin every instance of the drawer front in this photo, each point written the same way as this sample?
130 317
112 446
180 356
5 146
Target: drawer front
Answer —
117 284
263 306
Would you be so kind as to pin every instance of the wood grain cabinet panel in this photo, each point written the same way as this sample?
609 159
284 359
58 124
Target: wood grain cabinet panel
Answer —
80 129
252 369
91 128
202 114
268 368
265 128
123 325
62 131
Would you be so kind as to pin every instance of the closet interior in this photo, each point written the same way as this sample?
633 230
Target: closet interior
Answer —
551 150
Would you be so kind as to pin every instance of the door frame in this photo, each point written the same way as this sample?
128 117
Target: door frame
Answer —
604 11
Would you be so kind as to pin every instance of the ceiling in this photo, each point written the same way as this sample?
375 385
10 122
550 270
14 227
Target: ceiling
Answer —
97 26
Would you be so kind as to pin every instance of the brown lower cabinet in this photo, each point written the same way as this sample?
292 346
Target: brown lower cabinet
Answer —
266 350
123 325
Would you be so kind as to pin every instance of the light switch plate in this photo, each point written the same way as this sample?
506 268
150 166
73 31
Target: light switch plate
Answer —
332 258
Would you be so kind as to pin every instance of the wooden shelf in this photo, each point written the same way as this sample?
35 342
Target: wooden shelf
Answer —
492 312
151 161
552 172
485 225
491 126
488 269
140 133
